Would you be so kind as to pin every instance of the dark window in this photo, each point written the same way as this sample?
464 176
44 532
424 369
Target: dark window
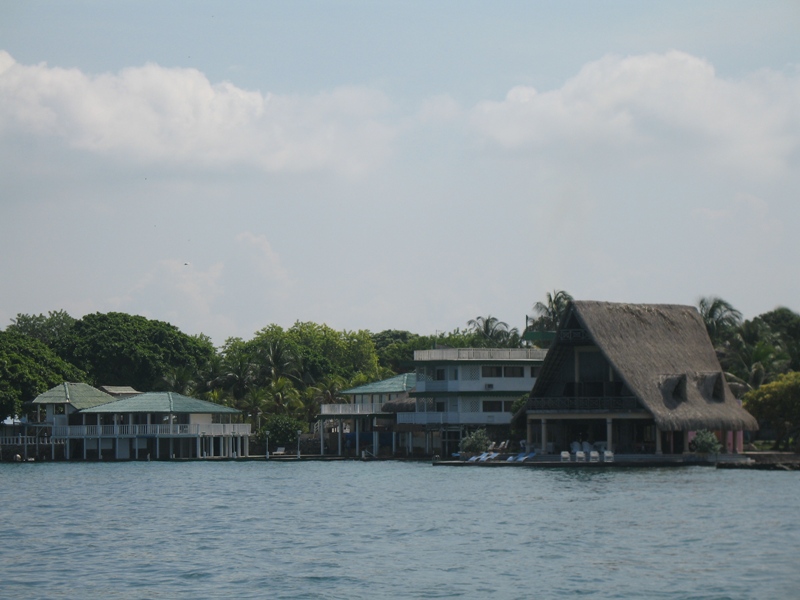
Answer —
492 406
491 371
513 372
440 375
534 371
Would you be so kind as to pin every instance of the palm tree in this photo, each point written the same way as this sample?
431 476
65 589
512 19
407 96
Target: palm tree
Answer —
329 390
491 330
720 318
551 312
277 360
239 374
753 356
179 379
254 404
306 407
282 396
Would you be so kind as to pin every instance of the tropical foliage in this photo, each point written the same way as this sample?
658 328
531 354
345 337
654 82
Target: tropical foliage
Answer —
28 368
282 431
705 442
777 405
477 441
291 372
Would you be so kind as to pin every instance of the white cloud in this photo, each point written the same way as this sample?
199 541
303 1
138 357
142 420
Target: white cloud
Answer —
265 260
158 114
651 106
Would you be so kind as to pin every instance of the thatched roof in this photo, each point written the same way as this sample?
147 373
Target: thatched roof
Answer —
664 356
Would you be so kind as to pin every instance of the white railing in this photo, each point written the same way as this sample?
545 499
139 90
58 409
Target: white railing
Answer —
454 418
480 354
352 409
170 430
21 440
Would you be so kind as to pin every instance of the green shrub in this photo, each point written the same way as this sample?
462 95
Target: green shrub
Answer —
282 431
477 441
705 442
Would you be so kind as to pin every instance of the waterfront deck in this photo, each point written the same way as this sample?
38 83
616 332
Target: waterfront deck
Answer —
620 461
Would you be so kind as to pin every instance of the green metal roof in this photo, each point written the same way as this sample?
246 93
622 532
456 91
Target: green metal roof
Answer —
162 402
393 385
79 395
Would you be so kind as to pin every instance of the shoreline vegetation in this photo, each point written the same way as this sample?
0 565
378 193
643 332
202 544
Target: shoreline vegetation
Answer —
281 376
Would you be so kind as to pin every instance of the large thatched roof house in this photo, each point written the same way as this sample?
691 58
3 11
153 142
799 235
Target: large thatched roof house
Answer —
635 377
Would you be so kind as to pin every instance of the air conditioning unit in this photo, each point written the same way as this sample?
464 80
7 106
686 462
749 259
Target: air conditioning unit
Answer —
489 386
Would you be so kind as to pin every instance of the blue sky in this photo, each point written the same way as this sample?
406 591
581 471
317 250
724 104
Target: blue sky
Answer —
409 165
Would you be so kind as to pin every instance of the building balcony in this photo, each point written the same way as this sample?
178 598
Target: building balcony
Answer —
351 410
453 418
479 354
160 430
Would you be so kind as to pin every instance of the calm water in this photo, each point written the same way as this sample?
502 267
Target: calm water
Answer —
391 530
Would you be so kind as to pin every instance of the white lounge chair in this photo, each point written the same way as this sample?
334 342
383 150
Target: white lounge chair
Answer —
565 456
580 456
594 456
608 456
280 450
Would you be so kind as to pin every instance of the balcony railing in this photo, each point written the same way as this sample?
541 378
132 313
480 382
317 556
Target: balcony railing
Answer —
352 409
168 430
22 440
453 418
479 354
586 404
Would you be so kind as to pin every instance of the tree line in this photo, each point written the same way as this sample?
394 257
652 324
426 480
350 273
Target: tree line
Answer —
291 371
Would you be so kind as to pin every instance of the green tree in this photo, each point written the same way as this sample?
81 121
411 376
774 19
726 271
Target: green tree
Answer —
329 390
51 330
550 312
491 332
477 441
282 431
282 397
786 325
752 356
28 368
777 405
239 371
122 349
254 404
720 318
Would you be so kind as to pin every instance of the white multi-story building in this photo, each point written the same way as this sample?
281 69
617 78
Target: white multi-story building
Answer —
459 389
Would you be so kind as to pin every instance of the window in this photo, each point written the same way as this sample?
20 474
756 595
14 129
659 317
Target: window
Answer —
491 371
513 372
534 372
492 406
440 374
454 374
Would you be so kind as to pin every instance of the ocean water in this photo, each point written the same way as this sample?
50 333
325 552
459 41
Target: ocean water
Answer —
355 530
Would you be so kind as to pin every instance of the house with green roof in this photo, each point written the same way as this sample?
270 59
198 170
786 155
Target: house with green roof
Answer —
361 422
159 425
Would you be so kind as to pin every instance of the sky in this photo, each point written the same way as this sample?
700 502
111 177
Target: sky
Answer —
409 165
